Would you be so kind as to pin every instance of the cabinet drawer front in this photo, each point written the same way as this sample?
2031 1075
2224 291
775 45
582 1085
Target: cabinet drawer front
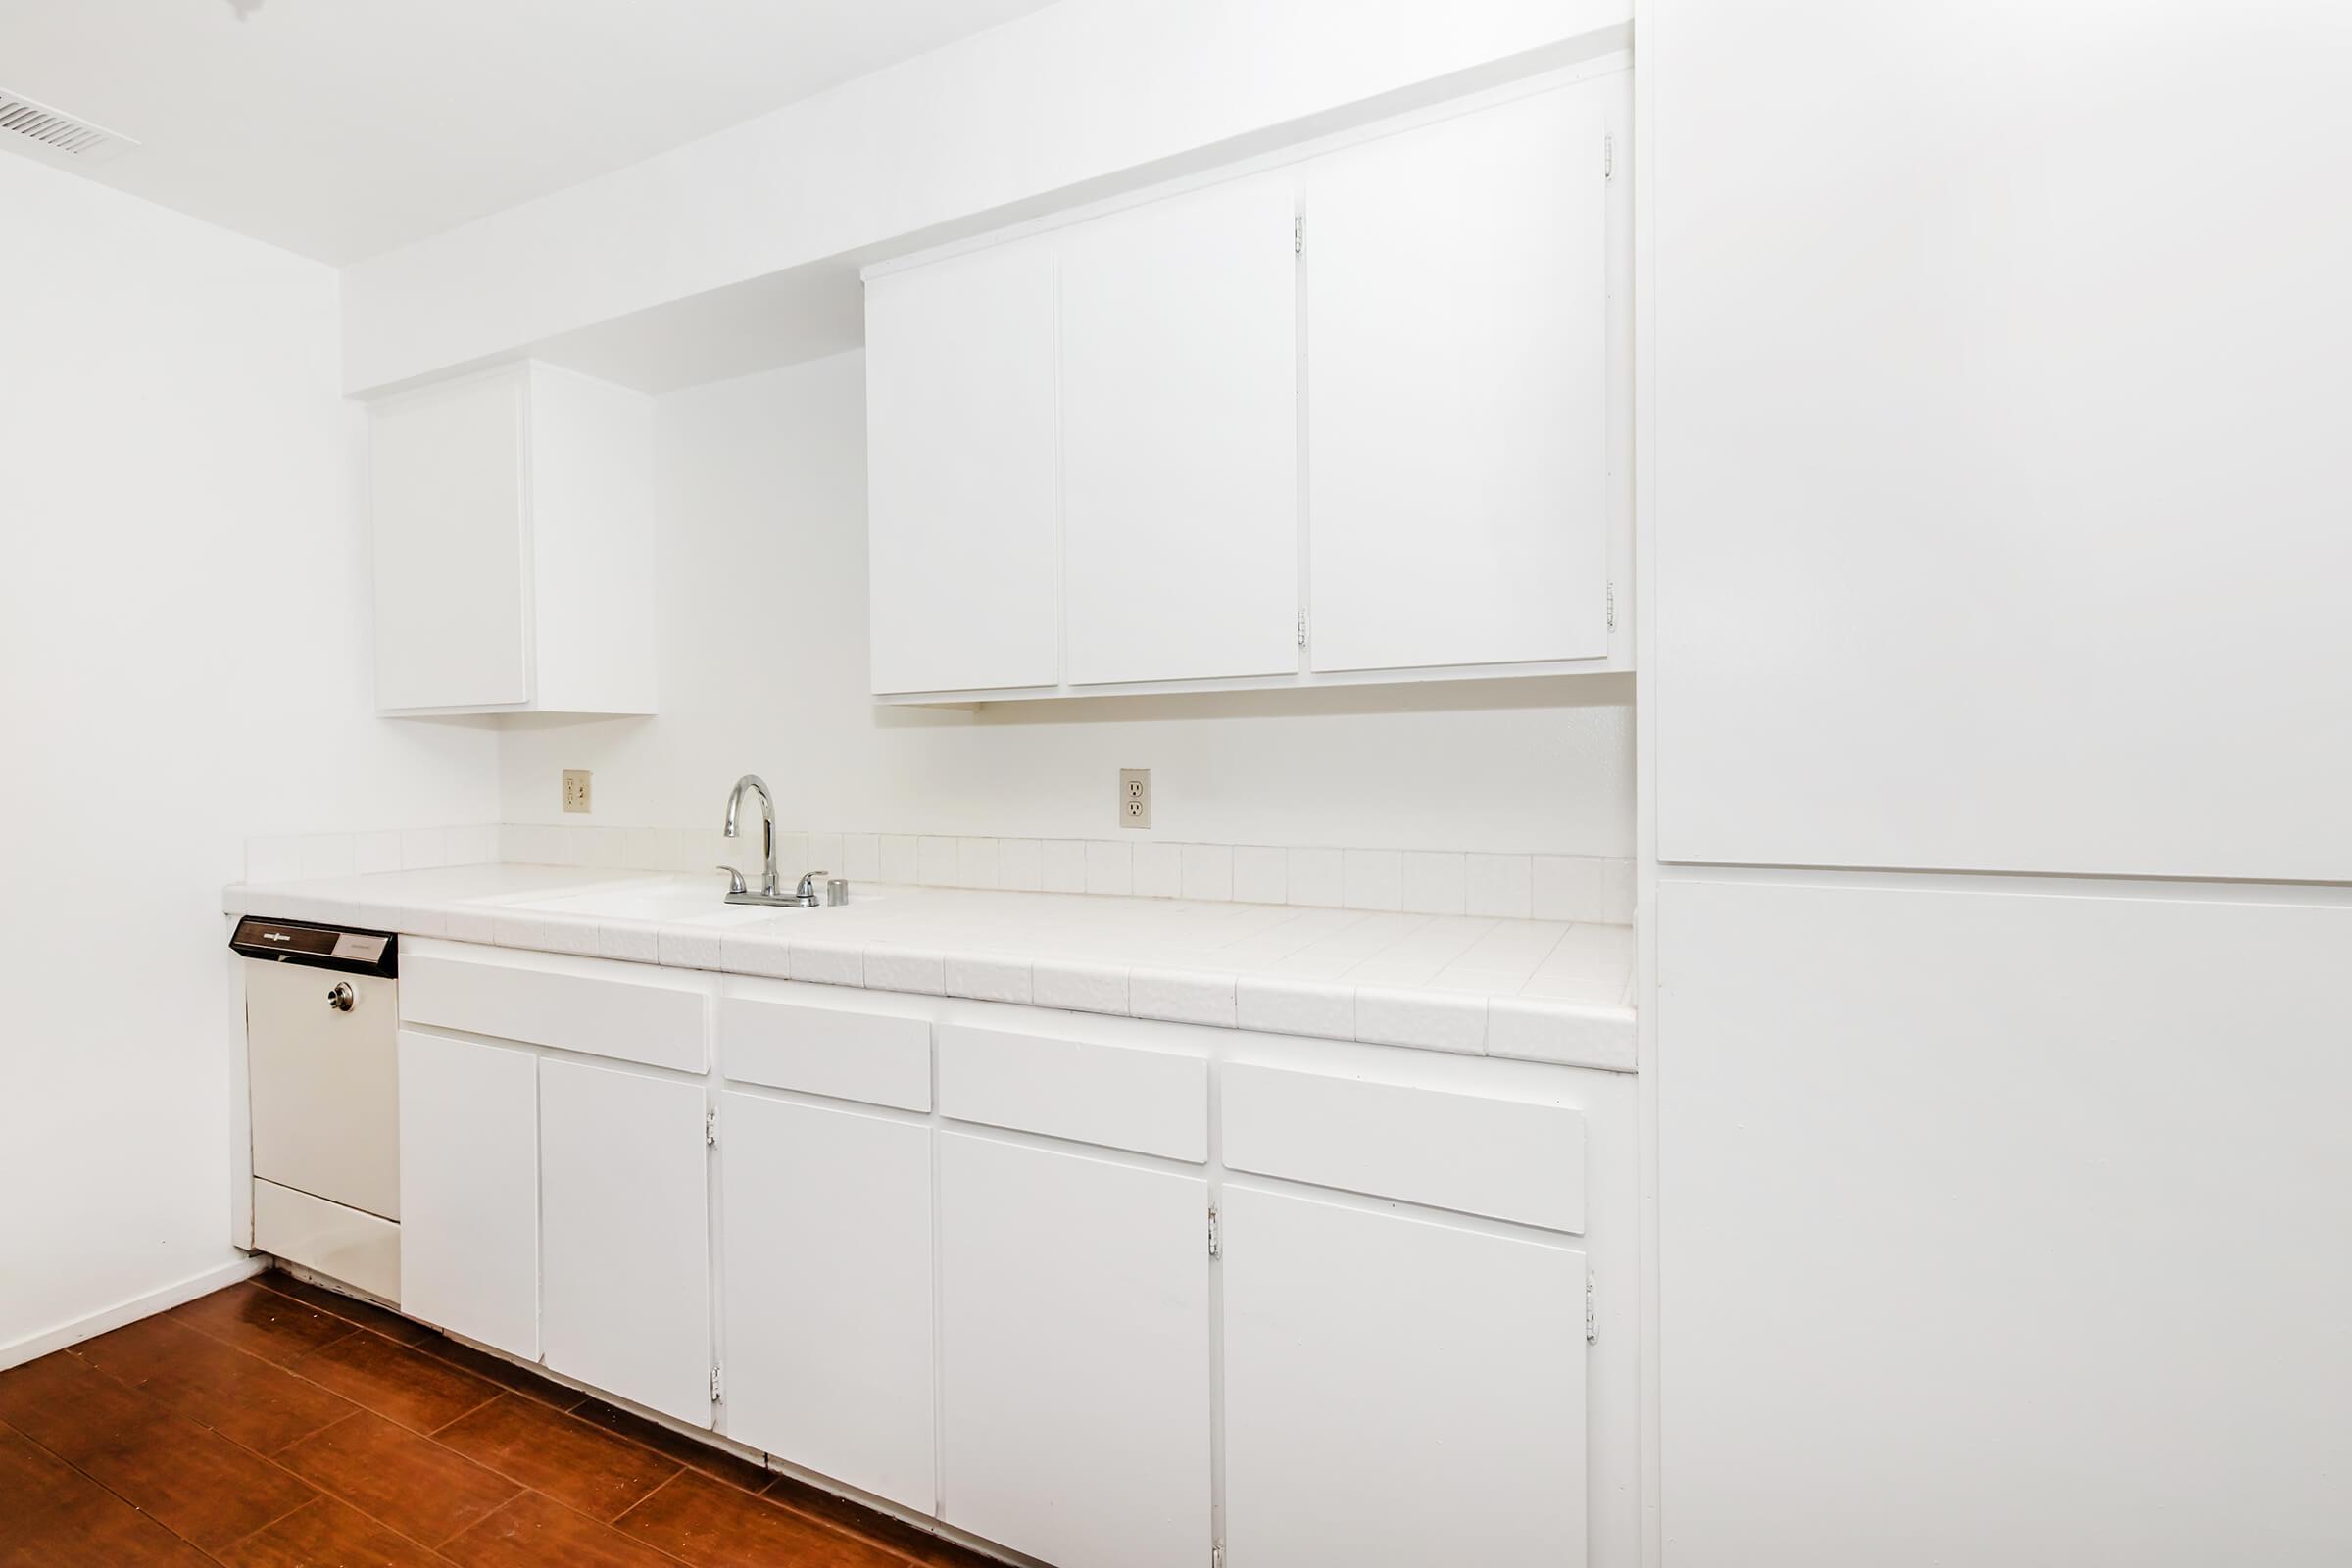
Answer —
583 1004
1503 1158
835 1052
1120 1097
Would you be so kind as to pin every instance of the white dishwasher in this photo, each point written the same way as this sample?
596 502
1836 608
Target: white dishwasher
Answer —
323 1076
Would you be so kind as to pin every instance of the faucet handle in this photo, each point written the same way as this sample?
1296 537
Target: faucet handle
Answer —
807 889
734 878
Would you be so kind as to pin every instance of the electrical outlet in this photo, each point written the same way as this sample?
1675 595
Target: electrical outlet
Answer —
575 789
1135 797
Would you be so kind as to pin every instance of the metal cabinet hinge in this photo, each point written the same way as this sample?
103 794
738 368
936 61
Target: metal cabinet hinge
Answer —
1216 1555
1299 234
1612 607
716 1396
1303 628
710 1128
1215 1242
1592 1318
1608 157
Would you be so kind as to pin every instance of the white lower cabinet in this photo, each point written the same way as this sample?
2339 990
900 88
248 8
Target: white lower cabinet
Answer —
626 1261
1399 1392
469 1190
1074 1356
826 1220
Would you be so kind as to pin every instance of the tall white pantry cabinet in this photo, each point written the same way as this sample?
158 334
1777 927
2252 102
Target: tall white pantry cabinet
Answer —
1357 416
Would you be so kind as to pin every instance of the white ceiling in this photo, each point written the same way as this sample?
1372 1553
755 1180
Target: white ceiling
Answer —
339 129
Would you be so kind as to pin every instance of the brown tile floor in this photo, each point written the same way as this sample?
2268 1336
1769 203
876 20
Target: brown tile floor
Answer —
276 1425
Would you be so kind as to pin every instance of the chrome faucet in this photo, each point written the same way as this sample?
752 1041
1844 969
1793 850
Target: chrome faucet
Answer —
769 891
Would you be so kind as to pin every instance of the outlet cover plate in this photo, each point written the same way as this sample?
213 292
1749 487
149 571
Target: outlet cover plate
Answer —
575 789
1135 797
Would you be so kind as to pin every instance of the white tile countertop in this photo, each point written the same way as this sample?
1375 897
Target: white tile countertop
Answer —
1537 990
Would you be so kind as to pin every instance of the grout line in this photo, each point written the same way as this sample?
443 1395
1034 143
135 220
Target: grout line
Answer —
460 1415
616 1520
317 1496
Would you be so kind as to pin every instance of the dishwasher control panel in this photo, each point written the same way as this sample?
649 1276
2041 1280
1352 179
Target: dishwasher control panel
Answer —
319 947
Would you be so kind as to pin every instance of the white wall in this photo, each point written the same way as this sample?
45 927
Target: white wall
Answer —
1066 99
184 659
1991 518
764 655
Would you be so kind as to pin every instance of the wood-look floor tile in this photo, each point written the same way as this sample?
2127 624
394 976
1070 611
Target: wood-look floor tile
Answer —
195 1481
398 1380
53 1517
409 1481
686 1450
855 1519
505 1374
241 1396
261 1322
326 1532
538 1530
367 1314
570 1461
709 1523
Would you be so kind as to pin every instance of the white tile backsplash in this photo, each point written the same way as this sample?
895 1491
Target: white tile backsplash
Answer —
978 865
1372 879
862 856
1020 865
1207 872
1260 874
1579 890
1433 882
1064 863
1158 870
1499 885
374 851
1109 867
1315 878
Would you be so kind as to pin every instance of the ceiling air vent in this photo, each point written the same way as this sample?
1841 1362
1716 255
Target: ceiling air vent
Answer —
77 139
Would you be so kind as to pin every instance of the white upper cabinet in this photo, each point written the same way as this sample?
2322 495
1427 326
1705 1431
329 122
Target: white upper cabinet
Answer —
514 544
1458 443
1180 552
964 495
1355 412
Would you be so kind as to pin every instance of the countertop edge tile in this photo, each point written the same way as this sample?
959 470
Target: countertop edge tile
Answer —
1183 995
1396 1015
1276 1005
1566 1034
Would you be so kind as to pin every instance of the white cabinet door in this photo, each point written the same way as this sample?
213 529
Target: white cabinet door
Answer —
624 1204
1397 1391
452 626
1180 437
827 1221
469 1190
1074 1356
1457 424
963 496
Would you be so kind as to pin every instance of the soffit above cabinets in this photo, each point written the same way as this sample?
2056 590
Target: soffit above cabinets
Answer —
340 132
